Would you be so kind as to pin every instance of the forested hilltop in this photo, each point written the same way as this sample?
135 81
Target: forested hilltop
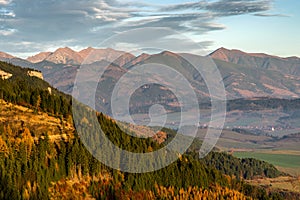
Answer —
36 165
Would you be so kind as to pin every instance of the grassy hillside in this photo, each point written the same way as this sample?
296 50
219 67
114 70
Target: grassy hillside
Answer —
42 157
40 123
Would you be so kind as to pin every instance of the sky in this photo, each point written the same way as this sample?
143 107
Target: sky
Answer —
269 26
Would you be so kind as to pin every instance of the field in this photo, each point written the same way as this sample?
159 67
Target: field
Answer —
283 153
286 161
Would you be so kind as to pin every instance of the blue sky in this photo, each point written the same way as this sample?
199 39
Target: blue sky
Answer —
269 26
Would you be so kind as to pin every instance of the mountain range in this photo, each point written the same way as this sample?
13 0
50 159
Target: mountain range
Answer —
245 75
255 84
289 65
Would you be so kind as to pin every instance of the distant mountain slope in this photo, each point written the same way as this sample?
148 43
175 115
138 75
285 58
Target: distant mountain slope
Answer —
16 61
240 81
287 66
244 75
5 55
94 55
88 56
64 56
247 82
39 57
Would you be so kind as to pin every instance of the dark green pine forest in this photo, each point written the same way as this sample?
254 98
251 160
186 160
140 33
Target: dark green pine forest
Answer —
33 166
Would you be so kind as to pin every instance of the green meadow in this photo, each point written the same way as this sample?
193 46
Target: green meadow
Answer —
280 160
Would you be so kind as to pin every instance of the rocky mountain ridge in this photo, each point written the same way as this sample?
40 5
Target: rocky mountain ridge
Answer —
245 75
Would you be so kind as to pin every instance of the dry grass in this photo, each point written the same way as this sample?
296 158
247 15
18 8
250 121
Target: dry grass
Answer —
38 122
292 171
283 183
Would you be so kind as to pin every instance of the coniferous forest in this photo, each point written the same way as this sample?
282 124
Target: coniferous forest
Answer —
34 166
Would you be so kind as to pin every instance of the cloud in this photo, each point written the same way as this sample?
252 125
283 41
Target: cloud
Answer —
43 20
6 32
194 23
184 6
4 2
224 7
270 15
239 7
88 22
155 40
